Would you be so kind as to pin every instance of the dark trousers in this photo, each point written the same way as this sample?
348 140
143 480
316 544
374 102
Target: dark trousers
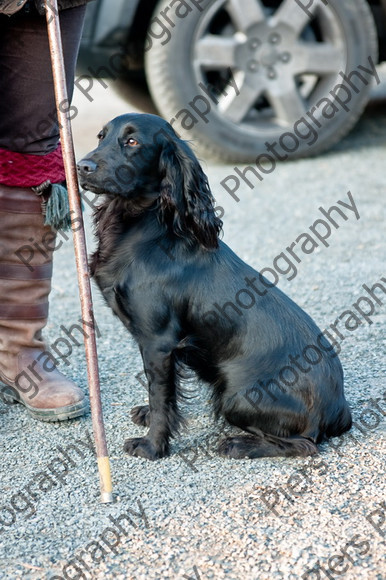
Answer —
28 121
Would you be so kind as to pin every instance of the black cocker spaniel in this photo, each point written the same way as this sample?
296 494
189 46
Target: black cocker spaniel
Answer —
189 301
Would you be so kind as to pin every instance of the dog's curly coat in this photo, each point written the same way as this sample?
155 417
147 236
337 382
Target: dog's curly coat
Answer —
161 268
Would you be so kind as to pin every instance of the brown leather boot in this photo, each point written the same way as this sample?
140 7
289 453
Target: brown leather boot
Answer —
28 373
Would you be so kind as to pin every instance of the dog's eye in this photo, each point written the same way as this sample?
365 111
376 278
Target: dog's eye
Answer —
132 142
100 136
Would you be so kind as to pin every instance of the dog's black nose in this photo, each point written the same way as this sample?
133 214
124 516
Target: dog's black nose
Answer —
86 166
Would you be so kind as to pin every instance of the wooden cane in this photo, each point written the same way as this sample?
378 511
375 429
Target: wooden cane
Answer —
59 76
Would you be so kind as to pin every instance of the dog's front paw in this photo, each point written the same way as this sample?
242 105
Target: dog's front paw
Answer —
143 447
141 415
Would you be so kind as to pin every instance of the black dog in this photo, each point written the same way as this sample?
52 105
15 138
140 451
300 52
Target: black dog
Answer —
188 300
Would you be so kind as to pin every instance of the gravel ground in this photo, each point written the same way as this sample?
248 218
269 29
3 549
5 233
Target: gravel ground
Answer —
194 515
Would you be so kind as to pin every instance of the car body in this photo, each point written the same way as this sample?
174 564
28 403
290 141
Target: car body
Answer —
284 58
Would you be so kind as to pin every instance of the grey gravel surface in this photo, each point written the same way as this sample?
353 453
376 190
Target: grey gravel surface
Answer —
196 515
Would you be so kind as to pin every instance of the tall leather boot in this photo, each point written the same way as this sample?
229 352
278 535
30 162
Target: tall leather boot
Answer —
28 373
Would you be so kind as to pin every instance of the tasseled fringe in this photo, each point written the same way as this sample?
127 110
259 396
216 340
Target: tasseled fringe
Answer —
57 209
55 206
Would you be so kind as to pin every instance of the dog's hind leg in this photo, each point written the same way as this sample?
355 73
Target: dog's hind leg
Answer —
277 425
263 445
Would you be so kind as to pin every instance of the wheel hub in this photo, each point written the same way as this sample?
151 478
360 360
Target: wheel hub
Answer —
268 56
263 53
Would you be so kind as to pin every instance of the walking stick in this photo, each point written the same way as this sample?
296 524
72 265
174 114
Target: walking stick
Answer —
59 76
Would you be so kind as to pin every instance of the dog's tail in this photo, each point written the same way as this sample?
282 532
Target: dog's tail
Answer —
341 423
264 445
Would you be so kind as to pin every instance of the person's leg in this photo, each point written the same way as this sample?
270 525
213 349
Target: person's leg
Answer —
29 157
28 122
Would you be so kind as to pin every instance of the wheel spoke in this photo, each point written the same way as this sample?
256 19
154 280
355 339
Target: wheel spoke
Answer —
292 15
245 12
288 104
216 51
236 107
318 58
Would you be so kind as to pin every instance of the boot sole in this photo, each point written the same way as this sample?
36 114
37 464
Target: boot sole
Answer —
48 415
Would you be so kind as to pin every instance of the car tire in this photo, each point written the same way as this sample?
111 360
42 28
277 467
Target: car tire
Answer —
281 62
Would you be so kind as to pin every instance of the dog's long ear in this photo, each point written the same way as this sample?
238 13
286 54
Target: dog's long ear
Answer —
186 202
